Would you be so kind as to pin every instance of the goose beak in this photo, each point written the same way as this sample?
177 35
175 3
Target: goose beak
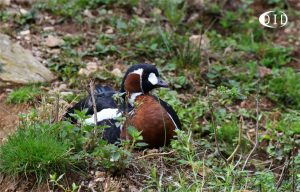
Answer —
161 83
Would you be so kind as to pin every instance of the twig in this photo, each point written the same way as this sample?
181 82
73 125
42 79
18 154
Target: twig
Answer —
79 188
56 112
249 139
2 179
92 88
215 130
204 171
155 154
256 133
216 136
238 162
283 171
293 165
239 140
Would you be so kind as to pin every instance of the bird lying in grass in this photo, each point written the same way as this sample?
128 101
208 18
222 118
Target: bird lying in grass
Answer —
156 119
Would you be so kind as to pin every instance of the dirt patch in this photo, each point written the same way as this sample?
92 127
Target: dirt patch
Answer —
22 185
9 116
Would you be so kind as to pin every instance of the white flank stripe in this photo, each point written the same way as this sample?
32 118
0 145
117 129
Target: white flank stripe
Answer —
173 121
109 113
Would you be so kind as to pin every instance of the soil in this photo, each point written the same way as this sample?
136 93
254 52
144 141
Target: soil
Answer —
9 116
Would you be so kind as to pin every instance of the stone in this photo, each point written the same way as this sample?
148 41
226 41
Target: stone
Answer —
53 42
91 67
88 14
49 28
156 11
23 11
4 3
24 33
117 72
197 4
264 71
19 66
110 30
133 188
193 18
66 93
200 40
27 2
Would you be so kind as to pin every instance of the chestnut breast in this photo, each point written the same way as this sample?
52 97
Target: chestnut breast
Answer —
150 117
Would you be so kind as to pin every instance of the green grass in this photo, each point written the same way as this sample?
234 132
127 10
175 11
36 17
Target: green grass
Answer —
284 87
34 151
24 94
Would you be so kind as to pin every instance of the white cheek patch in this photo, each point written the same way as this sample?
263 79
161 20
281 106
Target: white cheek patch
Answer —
104 114
153 79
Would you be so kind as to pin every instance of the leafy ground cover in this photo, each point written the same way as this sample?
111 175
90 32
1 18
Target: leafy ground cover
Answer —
234 85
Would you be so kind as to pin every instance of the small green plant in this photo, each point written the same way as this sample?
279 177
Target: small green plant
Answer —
174 10
188 55
55 180
285 87
26 18
228 131
287 127
4 16
24 94
117 158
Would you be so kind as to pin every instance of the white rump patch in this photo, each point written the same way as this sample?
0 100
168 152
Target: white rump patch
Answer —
138 71
132 97
153 79
104 114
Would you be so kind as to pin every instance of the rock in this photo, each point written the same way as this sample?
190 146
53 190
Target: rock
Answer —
200 40
62 87
54 51
117 72
18 66
193 18
197 4
49 28
152 151
24 33
109 30
25 2
90 68
4 3
264 71
156 11
52 41
66 93
100 174
88 14
23 11
133 188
